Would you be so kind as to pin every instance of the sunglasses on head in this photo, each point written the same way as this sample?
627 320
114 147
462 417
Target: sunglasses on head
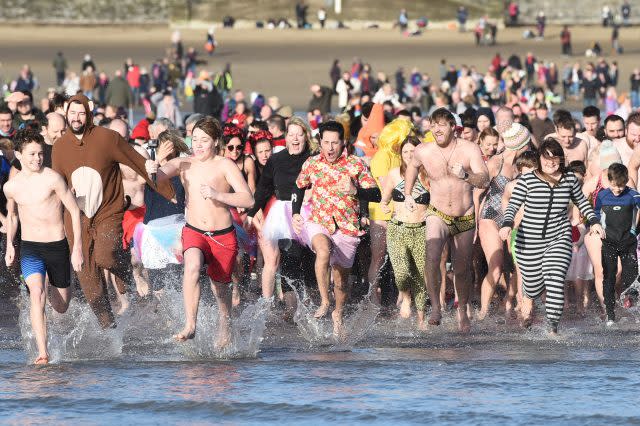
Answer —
231 148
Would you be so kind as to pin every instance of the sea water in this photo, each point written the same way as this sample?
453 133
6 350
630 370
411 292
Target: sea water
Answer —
279 372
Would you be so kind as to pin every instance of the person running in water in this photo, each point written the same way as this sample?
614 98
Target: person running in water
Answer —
337 182
89 157
406 234
273 197
212 184
39 193
543 243
454 167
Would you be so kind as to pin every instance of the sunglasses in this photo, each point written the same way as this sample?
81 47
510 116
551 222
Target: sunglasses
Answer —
232 148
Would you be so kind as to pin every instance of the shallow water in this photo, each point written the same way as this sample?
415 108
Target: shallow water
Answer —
283 374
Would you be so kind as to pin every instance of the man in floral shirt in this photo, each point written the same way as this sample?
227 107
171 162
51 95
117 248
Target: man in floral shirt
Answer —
337 182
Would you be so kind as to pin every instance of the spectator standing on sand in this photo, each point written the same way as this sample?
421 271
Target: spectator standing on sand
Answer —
462 16
118 92
403 20
335 73
60 65
322 17
625 10
514 11
88 62
206 98
565 40
88 82
223 81
615 40
321 99
25 82
103 83
541 23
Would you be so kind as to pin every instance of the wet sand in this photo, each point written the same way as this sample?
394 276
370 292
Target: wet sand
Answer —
286 62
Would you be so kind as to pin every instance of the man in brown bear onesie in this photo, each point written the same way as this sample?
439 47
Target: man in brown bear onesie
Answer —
88 158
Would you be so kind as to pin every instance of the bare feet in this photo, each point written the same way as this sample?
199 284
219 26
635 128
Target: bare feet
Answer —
235 295
435 318
338 325
223 340
482 315
405 307
322 311
124 304
422 325
527 322
42 360
464 324
186 334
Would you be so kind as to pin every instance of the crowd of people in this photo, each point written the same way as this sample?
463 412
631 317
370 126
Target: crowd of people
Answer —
480 170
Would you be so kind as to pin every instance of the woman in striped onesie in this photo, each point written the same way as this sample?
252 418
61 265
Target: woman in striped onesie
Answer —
543 242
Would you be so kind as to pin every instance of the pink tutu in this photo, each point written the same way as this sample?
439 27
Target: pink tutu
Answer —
580 268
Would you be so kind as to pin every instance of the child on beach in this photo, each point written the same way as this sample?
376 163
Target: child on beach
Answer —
39 193
617 210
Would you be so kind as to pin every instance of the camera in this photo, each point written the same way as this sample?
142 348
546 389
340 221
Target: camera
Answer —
152 144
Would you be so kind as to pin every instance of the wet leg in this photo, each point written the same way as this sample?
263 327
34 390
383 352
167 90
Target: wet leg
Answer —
38 298
492 246
222 293
437 235
193 260
378 235
462 248
271 256
593 243
322 247
341 292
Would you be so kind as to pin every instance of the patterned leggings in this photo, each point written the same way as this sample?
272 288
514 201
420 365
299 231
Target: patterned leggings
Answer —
406 244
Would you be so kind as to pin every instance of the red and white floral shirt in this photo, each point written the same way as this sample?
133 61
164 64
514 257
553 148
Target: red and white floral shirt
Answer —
330 207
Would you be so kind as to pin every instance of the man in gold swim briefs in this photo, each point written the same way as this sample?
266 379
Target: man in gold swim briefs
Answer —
454 167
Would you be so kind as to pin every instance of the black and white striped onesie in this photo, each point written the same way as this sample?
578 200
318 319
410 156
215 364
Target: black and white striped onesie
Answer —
543 241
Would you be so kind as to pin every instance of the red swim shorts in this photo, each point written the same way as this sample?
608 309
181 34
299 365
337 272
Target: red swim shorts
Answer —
219 248
130 220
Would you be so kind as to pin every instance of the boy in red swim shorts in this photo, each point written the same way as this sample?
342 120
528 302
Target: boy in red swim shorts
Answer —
212 184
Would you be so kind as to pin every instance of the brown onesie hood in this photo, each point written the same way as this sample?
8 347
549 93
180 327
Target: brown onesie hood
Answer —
87 108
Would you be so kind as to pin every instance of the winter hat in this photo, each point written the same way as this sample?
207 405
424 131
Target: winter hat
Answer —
141 131
608 154
516 137
487 112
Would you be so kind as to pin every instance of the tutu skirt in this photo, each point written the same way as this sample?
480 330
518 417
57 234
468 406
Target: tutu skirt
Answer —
580 268
277 224
158 243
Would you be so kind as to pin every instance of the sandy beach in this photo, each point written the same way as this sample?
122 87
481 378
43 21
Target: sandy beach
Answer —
286 62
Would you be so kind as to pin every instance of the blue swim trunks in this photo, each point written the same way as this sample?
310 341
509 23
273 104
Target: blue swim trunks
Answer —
50 258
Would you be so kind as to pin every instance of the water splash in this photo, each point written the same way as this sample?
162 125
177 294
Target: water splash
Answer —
247 328
358 320
74 335
145 329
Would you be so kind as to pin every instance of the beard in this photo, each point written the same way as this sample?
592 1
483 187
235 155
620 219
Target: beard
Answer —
79 131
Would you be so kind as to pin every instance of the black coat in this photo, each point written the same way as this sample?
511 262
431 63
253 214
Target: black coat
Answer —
207 102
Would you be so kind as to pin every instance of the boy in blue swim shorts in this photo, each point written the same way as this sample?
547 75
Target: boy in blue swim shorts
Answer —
39 194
